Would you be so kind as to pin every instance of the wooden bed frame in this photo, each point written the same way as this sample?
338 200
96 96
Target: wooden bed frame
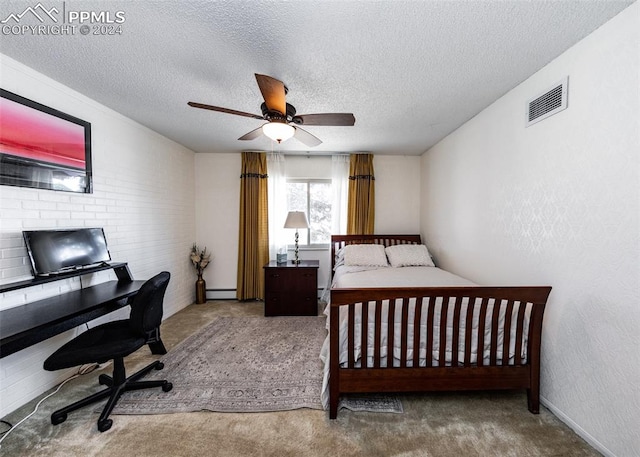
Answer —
462 375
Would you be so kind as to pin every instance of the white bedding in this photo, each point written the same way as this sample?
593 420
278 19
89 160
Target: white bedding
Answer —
363 277
358 277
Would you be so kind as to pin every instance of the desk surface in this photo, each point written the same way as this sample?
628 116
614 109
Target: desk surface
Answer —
25 325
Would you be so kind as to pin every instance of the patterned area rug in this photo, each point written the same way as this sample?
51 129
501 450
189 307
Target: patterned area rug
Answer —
246 364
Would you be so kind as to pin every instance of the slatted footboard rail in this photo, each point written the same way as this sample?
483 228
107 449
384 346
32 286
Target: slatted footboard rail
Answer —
447 325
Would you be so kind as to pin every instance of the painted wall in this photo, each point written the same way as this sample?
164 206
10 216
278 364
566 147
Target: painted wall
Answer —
558 203
397 194
143 197
218 194
217 180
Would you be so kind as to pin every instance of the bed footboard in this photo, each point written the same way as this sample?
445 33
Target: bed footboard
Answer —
435 339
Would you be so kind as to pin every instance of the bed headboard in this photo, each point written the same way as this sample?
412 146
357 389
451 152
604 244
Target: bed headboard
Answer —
339 241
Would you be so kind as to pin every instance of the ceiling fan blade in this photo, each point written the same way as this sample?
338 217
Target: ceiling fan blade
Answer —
224 110
338 119
252 135
273 92
306 138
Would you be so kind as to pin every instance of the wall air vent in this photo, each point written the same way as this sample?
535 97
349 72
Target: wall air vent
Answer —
551 102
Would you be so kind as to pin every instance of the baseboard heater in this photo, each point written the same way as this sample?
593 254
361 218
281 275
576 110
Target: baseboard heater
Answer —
229 294
221 294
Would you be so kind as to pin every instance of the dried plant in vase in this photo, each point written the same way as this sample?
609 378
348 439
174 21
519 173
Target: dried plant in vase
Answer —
200 259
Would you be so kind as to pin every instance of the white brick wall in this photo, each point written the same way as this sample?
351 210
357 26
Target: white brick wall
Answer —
144 197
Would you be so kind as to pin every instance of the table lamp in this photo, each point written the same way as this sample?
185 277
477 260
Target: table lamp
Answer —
296 220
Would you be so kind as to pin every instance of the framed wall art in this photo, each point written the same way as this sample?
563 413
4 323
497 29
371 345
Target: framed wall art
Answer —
42 147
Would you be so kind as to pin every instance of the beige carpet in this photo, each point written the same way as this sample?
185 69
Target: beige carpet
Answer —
434 425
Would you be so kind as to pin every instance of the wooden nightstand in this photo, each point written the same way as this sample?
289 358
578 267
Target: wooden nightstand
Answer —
291 290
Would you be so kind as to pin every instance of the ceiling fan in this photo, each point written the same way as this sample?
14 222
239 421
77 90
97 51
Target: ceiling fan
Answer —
280 115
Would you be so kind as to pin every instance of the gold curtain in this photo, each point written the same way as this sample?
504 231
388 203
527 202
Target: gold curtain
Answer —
253 246
361 206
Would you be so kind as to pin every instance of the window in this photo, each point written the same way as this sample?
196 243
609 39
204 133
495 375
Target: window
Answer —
312 196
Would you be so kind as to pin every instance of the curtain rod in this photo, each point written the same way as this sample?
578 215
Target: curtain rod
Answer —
312 153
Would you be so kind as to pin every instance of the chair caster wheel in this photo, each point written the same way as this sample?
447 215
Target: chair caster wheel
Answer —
105 425
167 387
105 380
58 418
159 366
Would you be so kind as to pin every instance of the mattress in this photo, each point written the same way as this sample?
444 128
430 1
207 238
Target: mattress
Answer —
361 277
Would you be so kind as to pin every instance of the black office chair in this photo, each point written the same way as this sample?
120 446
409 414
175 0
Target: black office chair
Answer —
114 341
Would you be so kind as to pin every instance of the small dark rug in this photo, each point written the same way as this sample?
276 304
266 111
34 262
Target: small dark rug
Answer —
245 364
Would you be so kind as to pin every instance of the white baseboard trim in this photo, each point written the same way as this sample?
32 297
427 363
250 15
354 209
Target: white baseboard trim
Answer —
577 428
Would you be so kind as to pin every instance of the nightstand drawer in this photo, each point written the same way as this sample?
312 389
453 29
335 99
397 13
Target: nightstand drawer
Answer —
306 280
284 304
277 279
275 304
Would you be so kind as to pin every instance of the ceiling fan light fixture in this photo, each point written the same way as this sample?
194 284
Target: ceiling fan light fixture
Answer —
278 131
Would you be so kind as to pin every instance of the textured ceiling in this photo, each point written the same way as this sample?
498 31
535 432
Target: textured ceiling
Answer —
410 71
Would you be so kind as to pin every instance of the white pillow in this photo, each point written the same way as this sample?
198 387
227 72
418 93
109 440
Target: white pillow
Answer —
406 255
339 260
369 255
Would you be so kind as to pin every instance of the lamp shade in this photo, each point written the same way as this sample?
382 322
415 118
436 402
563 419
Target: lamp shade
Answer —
278 131
296 220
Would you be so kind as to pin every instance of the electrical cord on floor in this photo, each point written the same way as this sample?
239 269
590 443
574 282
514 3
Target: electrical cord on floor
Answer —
36 408
7 424
86 369
83 370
